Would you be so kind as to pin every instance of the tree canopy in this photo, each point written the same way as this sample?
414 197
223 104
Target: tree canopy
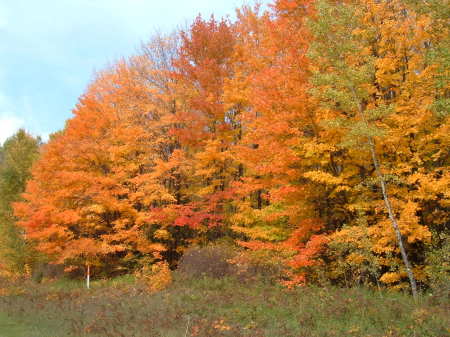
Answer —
316 130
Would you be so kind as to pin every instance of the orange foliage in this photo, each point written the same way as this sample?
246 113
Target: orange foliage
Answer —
92 190
256 130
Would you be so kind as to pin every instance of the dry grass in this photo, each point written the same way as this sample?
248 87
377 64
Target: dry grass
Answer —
220 307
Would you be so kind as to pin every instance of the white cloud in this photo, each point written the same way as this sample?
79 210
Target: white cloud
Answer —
8 126
45 136
9 121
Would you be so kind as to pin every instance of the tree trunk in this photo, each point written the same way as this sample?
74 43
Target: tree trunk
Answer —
387 202
394 223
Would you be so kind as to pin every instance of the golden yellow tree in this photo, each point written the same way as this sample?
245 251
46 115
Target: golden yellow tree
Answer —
375 84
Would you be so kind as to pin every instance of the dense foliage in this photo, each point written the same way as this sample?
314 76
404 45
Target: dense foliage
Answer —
16 158
316 131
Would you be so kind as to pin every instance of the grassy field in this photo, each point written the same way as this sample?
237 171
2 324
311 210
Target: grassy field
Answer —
212 307
11 328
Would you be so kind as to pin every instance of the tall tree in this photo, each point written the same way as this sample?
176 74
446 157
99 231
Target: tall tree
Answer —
90 199
278 208
371 76
204 127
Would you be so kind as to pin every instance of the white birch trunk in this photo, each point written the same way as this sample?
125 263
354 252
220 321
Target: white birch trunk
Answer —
88 277
387 202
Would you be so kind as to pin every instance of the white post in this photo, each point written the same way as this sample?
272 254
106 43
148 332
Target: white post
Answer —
88 276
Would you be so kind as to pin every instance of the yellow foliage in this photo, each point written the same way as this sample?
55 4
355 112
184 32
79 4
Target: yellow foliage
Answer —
390 277
157 277
257 233
323 177
161 234
221 325
355 258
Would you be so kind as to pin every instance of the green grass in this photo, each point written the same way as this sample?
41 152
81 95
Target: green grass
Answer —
13 328
65 284
207 307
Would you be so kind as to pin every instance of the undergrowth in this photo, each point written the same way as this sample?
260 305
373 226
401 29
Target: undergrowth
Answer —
206 306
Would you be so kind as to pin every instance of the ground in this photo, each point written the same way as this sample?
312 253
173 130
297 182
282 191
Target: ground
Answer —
207 307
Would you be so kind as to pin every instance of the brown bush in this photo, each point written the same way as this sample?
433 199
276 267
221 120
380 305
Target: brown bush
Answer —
219 261
259 265
211 261
47 271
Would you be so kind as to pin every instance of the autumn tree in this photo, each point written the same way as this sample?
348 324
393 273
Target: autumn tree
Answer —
89 201
277 208
204 128
316 130
373 82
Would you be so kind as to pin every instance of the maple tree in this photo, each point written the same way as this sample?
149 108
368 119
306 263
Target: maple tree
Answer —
276 208
89 199
203 127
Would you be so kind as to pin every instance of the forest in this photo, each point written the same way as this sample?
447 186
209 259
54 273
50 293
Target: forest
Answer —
310 140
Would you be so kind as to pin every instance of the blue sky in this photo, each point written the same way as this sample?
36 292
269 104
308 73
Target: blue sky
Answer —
49 50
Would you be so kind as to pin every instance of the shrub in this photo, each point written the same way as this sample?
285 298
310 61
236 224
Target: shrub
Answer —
156 277
218 261
438 267
47 271
211 261
263 265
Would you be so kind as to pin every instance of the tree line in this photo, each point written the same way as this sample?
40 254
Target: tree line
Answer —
315 130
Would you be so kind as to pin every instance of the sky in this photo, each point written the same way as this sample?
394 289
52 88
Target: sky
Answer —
49 50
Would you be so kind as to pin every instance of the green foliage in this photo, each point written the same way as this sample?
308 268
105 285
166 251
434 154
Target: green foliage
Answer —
17 156
438 265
